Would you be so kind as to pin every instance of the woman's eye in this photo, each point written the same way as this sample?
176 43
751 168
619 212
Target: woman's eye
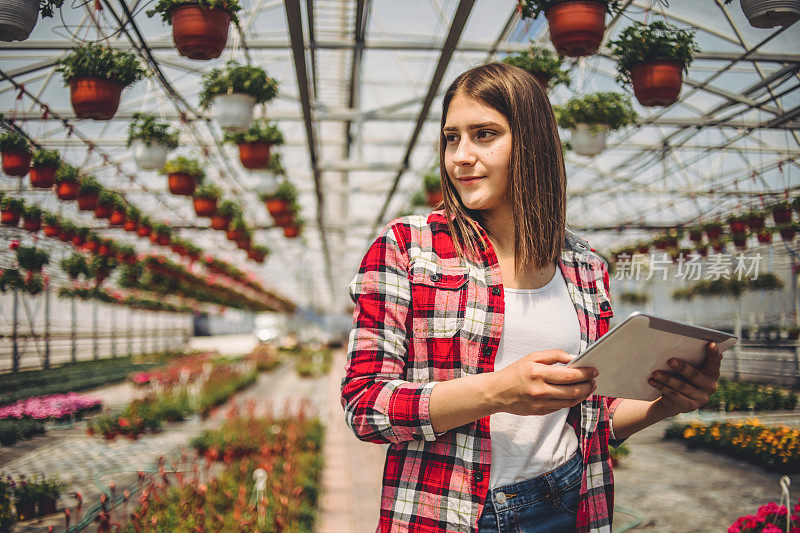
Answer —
483 134
450 137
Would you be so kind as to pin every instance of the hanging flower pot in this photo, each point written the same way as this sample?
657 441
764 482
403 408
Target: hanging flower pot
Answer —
181 184
258 253
149 157
226 212
781 213
737 223
234 234
243 244
284 219
153 237
130 225
740 240
163 240
695 234
713 230
31 224
233 91
718 246
771 13
205 207
42 177
78 240
50 230
93 243
576 28
103 211
277 206
87 202
220 222
234 112
755 220
144 228
183 175
199 33
104 249
9 217
67 191
291 232
117 217
66 234
588 139
787 231
95 98
17 19
254 155
764 236
16 163
657 83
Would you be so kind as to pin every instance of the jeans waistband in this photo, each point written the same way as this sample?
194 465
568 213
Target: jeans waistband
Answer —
566 476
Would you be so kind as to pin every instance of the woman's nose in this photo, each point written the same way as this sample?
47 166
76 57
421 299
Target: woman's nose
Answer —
464 154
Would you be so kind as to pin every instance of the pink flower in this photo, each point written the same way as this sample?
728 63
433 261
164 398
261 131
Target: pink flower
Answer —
771 528
768 509
13 245
734 529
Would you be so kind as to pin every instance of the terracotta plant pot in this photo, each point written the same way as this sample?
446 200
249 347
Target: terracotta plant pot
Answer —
781 215
163 240
277 206
130 225
576 28
258 257
657 83
51 231
9 218
787 234
93 245
291 232
755 222
220 222
67 190
77 240
104 249
16 163
283 219
153 237
234 234
181 184
117 218
103 211
243 244
66 236
696 235
87 202
94 98
738 226
200 33
205 207
42 177
254 155
433 198
143 231
32 224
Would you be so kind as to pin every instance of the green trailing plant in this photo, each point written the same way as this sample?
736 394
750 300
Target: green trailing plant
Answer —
90 185
238 224
235 78
540 60
184 165
165 7
532 8
47 7
12 141
133 213
641 43
31 258
67 174
432 181
32 212
609 108
107 198
286 191
67 226
51 219
147 129
261 250
98 61
11 279
260 130
276 164
208 191
45 158
10 203
228 208
162 229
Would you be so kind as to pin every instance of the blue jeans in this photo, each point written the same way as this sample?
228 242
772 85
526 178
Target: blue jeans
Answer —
546 503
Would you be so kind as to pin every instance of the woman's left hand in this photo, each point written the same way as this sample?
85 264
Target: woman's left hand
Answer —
691 388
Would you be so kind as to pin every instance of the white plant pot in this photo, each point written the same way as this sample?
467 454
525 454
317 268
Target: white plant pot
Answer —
586 142
771 13
17 19
151 157
234 112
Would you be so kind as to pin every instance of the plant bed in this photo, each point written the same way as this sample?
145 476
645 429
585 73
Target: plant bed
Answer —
16 154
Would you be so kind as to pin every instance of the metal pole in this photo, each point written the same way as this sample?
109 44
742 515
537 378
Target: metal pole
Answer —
95 353
15 345
129 332
47 327
74 333
113 333
737 330
794 272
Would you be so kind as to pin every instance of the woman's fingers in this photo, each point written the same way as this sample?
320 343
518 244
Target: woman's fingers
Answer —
713 360
697 378
675 387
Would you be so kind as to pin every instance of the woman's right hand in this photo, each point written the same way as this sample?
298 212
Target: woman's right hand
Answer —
536 385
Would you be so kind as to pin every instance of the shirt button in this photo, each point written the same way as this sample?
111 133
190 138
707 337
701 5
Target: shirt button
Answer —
435 277
487 350
500 497
604 306
479 476
496 291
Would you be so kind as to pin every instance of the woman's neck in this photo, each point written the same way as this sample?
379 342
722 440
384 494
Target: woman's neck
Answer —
499 225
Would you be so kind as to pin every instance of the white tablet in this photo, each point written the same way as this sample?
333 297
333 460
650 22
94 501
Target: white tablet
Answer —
631 351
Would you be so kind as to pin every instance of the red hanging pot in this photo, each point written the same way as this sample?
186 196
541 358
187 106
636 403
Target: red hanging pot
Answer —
713 233
77 240
130 225
67 190
154 237
104 249
657 83
199 33
695 235
787 233
576 28
103 211
66 235
234 234
205 207
755 222
643 249
433 198
16 163
277 206
283 219
781 215
254 155
87 202
740 240
243 244
32 224
42 177
181 184
95 98
143 231
220 222
50 231
258 257
291 231
163 240
117 218
9 217
92 245
738 226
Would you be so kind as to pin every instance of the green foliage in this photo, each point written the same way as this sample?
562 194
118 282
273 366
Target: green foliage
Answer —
184 165
235 78
7 516
261 249
66 173
165 7
286 191
609 108
13 430
31 258
228 208
728 287
34 284
101 267
46 158
641 43
276 164
742 395
107 198
12 141
260 130
50 219
90 185
11 203
46 7
532 8
97 61
432 180
145 128
540 60
10 279
208 190
635 298
75 266
32 212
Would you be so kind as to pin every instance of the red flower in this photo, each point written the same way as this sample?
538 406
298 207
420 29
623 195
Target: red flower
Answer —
13 245
124 422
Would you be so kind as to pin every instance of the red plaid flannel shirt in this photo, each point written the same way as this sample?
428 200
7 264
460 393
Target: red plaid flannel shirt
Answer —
423 315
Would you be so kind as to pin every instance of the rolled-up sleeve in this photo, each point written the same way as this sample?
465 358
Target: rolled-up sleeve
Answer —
380 406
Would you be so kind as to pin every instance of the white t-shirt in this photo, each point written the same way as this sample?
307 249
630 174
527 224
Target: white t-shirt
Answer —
527 446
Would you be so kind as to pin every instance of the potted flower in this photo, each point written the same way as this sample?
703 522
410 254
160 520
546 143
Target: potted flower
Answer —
258 253
233 91
32 218
236 229
11 209
105 204
781 212
653 58
49 490
279 203
739 240
126 254
576 28
787 230
161 234
96 76
764 235
205 199
199 28
225 212
66 231
294 229
696 234
145 227
543 64
88 193
132 217
18 18
183 175
118 212
68 182
93 241
16 153
51 224
151 141
255 143
81 234
43 168
244 241
432 181
25 498
755 219
737 223
713 230
768 14
589 118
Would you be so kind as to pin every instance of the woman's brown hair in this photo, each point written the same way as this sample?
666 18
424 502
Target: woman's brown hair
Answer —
537 179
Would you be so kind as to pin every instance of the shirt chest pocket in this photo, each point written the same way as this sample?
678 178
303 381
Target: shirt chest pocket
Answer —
438 299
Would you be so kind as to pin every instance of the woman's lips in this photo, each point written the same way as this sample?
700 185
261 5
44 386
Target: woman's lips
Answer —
470 181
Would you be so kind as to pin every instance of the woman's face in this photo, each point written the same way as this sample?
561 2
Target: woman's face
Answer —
477 152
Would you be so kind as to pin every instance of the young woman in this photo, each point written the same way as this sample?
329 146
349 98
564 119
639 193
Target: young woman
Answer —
460 318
